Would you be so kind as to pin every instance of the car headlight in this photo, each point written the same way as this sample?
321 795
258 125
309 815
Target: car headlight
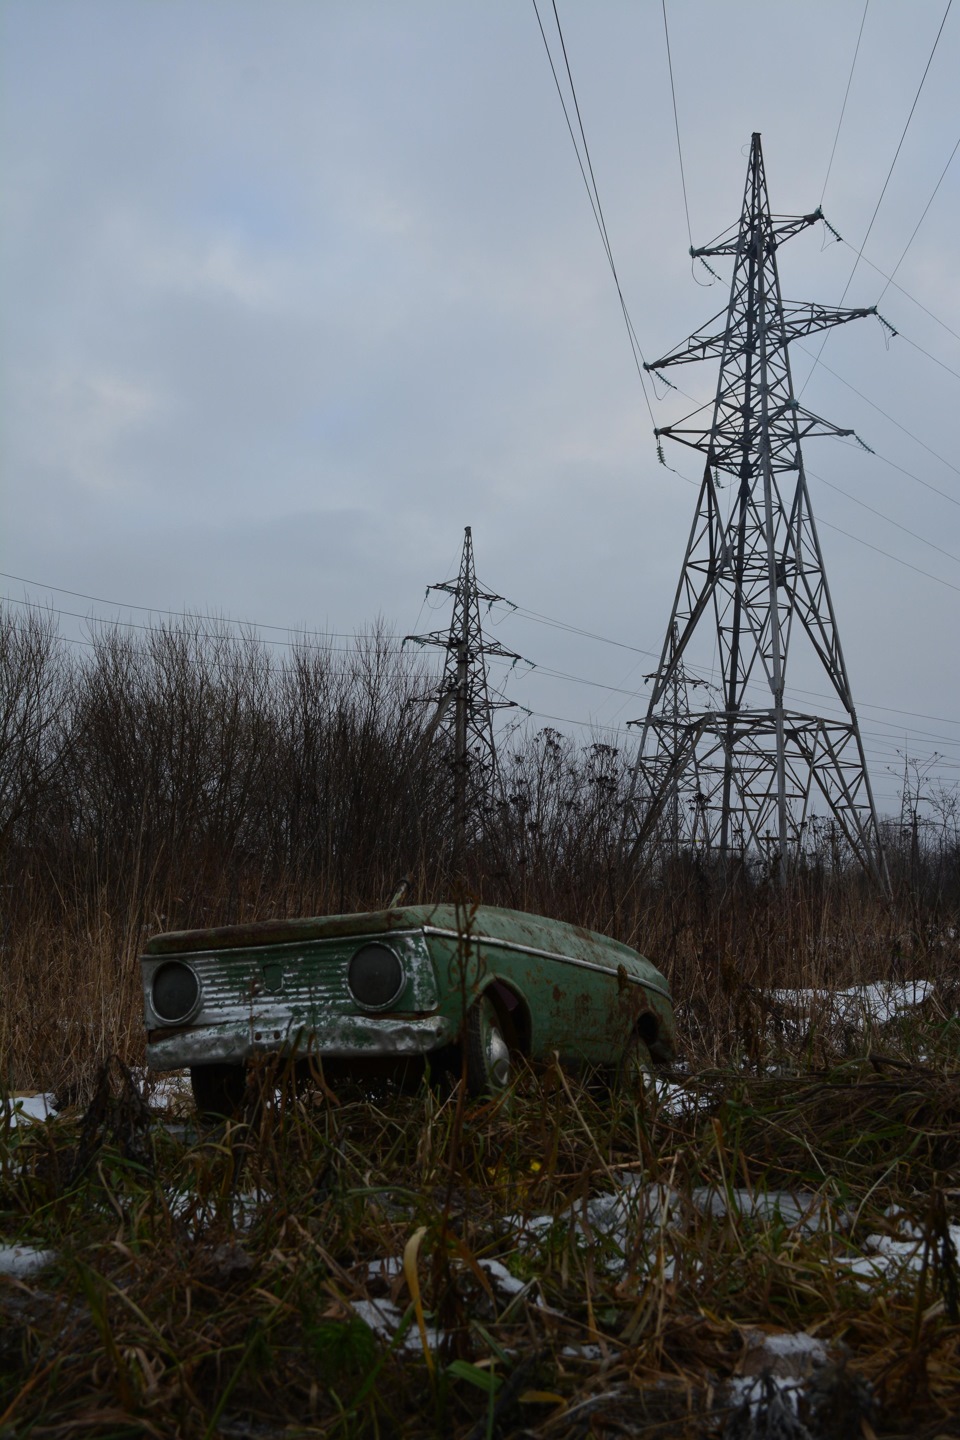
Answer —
175 992
375 977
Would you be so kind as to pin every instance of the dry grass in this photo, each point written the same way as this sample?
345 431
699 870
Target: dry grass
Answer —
219 1283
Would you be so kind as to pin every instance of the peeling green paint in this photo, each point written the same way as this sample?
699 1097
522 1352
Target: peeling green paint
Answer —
282 987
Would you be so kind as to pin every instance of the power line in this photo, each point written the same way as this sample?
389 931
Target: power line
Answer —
896 558
250 639
897 152
592 724
846 94
921 220
879 408
533 616
905 293
676 122
593 193
553 624
889 518
943 366
609 726
885 184
176 614
793 690
944 495
760 688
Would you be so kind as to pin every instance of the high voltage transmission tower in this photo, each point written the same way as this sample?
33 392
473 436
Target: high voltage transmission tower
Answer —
661 776
464 705
754 774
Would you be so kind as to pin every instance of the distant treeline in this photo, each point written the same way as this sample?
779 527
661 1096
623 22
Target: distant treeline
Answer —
198 769
194 768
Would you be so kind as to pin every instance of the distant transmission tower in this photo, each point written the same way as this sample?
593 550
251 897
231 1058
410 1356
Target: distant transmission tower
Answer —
658 780
753 576
464 704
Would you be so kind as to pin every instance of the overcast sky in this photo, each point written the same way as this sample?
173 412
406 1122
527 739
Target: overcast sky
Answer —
290 293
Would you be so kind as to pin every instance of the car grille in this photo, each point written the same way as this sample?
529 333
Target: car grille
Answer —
229 982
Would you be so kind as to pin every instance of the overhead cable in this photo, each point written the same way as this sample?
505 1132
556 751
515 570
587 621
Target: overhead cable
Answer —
534 616
885 184
917 569
821 479
593 193
879 408
846 95
920 221
676 123
913 344
905 293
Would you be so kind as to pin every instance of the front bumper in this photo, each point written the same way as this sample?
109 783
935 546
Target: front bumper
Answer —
345 1037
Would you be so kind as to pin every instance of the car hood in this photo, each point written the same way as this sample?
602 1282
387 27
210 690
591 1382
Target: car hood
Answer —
482 922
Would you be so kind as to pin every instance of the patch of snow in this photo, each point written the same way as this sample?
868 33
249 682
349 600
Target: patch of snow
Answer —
876 1003
674 1098
27 1108
505 1282
244 1207
800 1344
636 1211
770 1400
801 1210
19 1261
384 1318
168 1092
582 1352
894 1258
387 1268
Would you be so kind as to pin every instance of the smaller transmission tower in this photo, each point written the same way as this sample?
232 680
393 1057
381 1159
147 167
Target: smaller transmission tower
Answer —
657 778
464 704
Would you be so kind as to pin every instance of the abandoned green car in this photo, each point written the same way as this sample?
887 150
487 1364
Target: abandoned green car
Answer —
472 987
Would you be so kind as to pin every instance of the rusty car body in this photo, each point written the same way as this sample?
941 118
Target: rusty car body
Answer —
434 981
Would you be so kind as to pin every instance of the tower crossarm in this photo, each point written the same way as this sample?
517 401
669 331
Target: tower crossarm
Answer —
486 596
799 319
805 318
784 227
789 423
448 642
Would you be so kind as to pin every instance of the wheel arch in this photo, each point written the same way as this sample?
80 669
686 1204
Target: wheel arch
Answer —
513 1012
651 1030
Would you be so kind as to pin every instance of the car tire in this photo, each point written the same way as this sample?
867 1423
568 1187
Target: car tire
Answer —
489 1062
636 1068
218 1089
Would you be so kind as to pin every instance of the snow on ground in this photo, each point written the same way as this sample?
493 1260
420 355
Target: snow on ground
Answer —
899 1255
245 1205
873 1004
803 1210
26 1108
773 1375
384 1319
639 1217
18 1261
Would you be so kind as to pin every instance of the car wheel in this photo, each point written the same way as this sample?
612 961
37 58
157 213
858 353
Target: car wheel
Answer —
218 1089
635 1070
489 1067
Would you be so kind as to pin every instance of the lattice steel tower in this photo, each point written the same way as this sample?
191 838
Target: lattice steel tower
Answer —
754 771
464 704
